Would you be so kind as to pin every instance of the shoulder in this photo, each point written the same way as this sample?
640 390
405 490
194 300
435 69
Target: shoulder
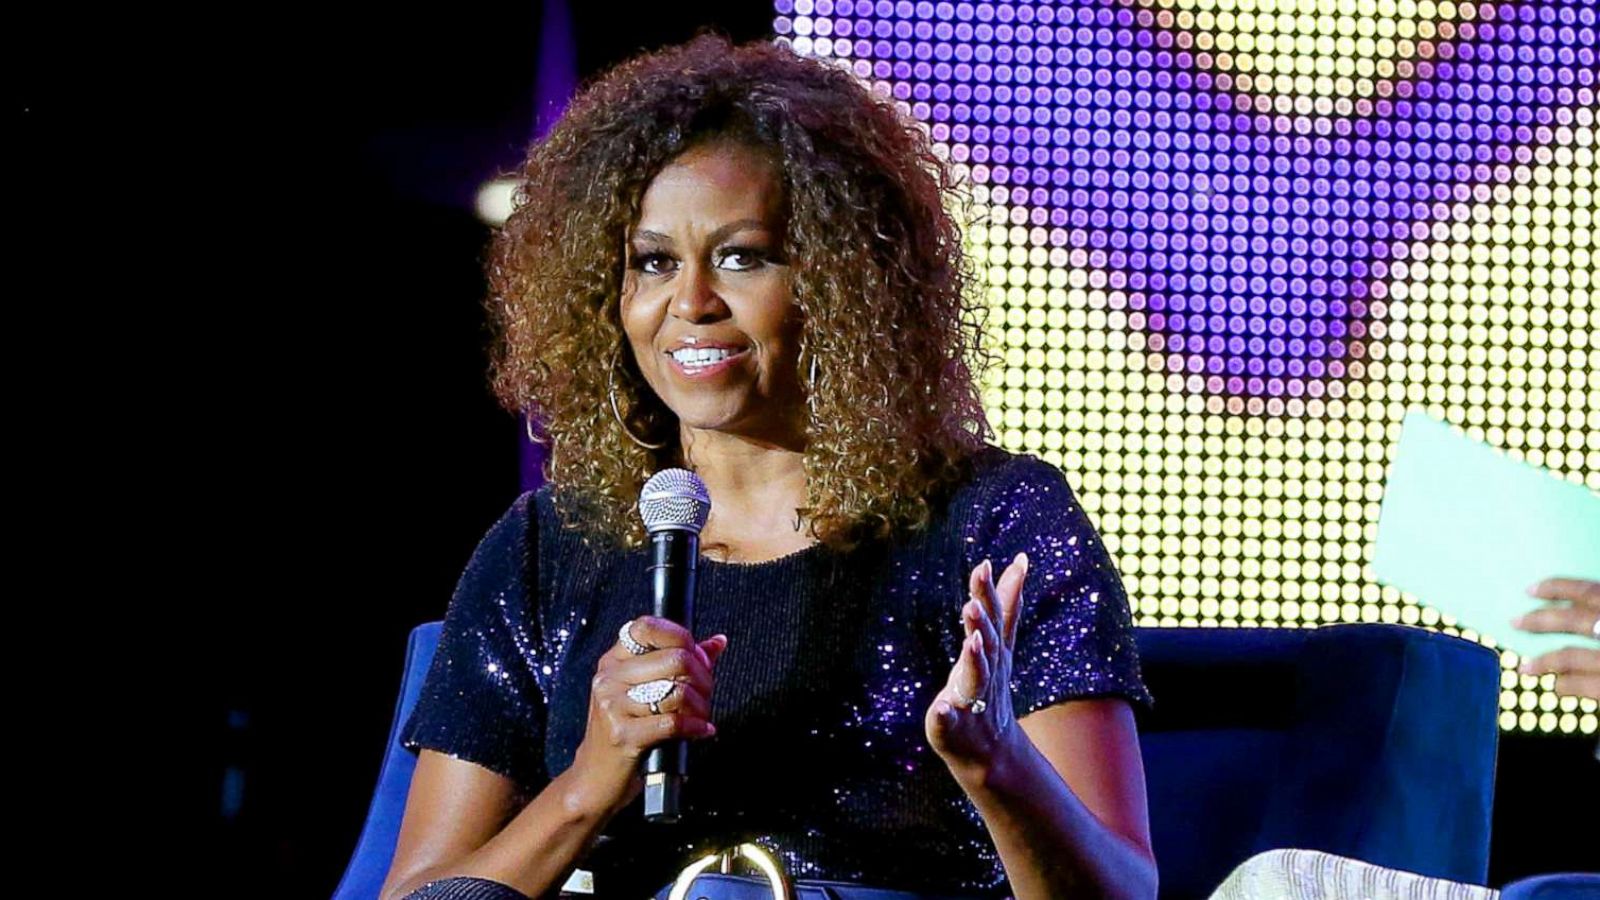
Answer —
529 512
997 465
505 547
518 521
1019 502
1003 481
1001 497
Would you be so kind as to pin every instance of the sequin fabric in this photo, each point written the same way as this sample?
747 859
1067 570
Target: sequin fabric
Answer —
462 887
832 661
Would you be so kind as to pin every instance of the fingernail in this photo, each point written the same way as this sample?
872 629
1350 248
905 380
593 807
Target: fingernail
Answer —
1517 622
1533 589
988 572
1022 558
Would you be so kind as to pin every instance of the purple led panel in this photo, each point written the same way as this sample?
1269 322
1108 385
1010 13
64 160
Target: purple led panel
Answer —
1252 231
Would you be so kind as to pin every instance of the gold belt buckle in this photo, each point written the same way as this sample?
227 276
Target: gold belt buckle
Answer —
755 854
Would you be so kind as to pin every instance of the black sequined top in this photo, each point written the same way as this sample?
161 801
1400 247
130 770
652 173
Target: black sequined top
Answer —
832 661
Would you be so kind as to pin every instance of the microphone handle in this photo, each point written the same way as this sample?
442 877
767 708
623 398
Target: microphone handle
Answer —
674 558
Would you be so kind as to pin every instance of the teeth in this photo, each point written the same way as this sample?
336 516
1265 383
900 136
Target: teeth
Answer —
701 356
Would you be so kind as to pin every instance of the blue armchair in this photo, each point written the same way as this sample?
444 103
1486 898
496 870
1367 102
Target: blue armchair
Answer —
1370 741
1563 886
1375 742
363 877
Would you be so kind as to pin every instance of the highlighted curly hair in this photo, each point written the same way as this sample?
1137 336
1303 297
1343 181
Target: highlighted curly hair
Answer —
879 274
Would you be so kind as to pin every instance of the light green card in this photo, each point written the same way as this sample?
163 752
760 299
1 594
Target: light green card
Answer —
1467 530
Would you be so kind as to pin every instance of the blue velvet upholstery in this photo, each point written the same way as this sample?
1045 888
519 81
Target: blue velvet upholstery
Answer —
363 878
1375 742
1370 741
1565 886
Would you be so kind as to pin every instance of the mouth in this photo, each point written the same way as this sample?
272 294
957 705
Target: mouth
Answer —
701 365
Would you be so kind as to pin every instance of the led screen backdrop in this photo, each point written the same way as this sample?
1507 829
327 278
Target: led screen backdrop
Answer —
1229 242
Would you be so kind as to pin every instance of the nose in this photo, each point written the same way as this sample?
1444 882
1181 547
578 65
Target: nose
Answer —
696 298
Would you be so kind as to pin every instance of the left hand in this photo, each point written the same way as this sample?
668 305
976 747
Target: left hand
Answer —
1577 668
967 739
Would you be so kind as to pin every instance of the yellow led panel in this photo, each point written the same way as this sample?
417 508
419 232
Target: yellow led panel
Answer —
1313 51
1238 512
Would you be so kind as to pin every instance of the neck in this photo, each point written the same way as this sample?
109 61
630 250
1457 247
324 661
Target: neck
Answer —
756 483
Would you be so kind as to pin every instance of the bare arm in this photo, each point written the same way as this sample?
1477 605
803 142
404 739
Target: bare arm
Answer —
461 819
1062 795
1064 801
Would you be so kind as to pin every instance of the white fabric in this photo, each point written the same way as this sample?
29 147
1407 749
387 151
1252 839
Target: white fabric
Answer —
1313 875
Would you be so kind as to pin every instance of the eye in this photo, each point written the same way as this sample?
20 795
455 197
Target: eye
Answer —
650 263
745 258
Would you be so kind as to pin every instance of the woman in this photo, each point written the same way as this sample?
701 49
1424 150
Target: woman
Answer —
737 261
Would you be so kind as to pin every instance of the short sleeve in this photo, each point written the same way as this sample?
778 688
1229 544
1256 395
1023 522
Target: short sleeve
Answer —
480 700
1075 638
465 887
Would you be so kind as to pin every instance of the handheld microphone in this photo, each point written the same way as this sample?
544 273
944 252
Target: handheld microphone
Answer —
674 504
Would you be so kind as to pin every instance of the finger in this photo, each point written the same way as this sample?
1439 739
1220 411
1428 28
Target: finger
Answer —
979 615
713 647
966 679
986 591
1010 593
1575 590
654 631
985 670
685 699
990 596
680 664
1566 661
1586 685
656 634
977 586
647 731
1565 619
964 674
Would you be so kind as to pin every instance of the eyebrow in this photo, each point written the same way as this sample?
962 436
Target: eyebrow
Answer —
719 234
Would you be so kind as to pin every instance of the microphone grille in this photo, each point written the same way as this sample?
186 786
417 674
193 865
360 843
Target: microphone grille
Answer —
674 498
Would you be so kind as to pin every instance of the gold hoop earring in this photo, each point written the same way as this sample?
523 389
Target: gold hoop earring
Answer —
611 391
811 377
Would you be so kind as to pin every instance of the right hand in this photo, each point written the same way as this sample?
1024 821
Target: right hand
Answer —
620 729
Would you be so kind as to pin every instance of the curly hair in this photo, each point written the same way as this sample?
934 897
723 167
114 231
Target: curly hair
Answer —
886 292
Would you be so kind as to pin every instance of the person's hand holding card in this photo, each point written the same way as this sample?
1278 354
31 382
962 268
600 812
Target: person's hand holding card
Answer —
1466 529
1575 610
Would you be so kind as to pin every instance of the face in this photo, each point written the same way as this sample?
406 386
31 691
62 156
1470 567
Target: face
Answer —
705 280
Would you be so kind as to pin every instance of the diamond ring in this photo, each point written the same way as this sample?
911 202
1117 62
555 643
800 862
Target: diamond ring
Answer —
651 693
625 637
977 706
